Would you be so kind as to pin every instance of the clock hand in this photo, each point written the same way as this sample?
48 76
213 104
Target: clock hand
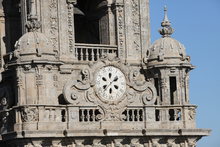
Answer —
115 79
107 87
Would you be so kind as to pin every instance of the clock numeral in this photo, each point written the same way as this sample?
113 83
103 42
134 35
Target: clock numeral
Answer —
110 69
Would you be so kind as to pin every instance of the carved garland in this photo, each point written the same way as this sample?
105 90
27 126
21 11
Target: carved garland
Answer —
120 28
136 24
54 24
70 26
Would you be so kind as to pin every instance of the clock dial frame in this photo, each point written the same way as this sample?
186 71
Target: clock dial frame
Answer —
110 83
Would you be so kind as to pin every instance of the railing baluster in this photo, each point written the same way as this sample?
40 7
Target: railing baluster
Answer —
138 115
83 116
87 54
127 115
76 53
92 54
93 115
133 116
81 54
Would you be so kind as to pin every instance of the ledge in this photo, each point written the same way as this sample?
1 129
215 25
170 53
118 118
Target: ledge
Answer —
107 133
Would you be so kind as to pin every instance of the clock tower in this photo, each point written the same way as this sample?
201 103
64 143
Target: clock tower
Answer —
82 73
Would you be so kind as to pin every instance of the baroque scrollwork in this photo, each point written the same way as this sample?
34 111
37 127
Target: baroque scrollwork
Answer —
75 89
83 90
140 85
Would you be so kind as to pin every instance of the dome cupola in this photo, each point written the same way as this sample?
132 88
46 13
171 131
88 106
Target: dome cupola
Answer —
167 50
34 45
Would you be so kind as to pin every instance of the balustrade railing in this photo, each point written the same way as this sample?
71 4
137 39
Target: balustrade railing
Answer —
66 115
89 115
133 115
173 113
93 52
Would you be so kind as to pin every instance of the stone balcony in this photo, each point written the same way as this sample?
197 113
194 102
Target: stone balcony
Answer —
45 117
93 52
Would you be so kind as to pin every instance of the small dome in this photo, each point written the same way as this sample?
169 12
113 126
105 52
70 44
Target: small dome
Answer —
166 48
35 45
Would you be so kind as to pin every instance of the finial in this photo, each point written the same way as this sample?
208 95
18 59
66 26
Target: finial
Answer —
167 30
33 24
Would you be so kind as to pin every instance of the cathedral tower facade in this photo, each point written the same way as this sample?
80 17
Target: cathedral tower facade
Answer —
82 73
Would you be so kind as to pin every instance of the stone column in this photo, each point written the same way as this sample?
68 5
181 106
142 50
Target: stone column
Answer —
182 85
20 91
187 87
165 87
66 30
107 26
145 27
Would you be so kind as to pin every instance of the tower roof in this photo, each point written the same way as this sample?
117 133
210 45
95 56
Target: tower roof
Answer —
34 45
167 50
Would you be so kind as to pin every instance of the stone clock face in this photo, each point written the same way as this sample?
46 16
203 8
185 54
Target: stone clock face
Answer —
110 83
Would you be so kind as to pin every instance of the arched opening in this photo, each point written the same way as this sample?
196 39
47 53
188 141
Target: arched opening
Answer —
89 19
12 23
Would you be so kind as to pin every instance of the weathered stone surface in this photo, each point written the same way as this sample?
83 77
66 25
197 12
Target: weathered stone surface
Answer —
83 74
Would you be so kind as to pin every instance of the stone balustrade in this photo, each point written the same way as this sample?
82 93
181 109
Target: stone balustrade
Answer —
93 52
36 116
172 113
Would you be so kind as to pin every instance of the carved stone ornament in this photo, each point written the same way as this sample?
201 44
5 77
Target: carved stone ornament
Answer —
75 89
146 89
29 114
110 85
192 114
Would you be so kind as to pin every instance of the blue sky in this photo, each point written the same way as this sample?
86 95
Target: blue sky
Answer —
197 26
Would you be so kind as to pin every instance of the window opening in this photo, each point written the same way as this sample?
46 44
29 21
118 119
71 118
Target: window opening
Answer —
173 90
156 84
172 114
157 115
88 17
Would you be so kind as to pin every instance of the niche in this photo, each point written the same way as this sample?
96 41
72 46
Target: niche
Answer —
12 23
173 90
156 84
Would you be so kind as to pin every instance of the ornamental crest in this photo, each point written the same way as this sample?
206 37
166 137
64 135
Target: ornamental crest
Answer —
111 86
